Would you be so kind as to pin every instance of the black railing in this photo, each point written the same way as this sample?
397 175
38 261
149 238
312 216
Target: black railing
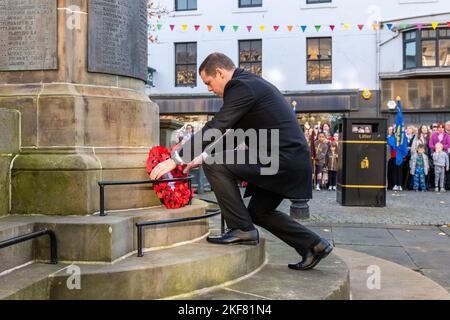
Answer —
143 224
102 185
34 235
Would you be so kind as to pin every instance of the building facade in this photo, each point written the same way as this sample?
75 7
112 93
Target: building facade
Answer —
330 58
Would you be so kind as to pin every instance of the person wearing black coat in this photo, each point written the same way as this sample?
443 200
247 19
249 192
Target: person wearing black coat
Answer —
250 102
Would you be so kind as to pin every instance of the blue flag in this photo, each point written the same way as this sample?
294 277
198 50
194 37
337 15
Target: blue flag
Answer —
398 141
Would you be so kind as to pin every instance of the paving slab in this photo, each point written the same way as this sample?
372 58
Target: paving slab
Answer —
364 236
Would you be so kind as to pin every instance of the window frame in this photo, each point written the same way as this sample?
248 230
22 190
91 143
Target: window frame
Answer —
251 5
319 60
187 9
186 64
418 41
250 62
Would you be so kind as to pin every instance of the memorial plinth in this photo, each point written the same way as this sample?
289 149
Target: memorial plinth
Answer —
75 71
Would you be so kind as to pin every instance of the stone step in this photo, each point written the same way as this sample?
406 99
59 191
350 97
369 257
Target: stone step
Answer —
99 239
275 281
19 254
396 282
159 274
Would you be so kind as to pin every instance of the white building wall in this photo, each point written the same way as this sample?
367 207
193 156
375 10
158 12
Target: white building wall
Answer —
355 61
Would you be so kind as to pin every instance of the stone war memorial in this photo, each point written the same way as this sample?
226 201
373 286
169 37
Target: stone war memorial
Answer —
73 113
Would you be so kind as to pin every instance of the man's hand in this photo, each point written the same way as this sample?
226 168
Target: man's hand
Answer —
197 162
162 168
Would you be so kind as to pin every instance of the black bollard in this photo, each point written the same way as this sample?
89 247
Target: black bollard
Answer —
300 209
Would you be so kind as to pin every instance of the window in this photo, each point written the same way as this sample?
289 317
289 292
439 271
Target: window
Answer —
250 56
444 47
250 3
426 48
319 66
185 5
186 64
317 1
429 44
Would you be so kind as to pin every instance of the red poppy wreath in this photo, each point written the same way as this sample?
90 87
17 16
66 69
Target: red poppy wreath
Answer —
172 194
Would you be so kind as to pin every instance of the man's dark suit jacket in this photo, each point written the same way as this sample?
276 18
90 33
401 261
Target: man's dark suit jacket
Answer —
250 102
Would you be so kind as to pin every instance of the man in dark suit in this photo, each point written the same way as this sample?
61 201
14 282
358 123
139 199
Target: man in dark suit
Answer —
250 102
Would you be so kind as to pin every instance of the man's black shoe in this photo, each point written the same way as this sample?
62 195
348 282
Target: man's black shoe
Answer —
236 236
314 255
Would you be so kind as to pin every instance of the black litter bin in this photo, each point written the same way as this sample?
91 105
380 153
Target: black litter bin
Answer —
361 179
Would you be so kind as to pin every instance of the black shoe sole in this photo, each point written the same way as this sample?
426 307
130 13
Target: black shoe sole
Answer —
247 243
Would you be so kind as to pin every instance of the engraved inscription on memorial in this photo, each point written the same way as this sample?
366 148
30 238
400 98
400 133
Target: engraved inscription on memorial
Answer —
28 35
118 37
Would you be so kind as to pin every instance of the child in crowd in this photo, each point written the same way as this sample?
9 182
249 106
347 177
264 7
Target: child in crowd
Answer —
419 166
332 166
321 150
441 164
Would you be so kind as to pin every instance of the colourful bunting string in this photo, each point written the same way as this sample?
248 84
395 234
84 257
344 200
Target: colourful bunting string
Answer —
303 28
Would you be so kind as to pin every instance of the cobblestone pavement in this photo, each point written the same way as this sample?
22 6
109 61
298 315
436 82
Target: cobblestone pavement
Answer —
405 208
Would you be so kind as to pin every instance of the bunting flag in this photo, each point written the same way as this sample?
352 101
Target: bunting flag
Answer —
303 28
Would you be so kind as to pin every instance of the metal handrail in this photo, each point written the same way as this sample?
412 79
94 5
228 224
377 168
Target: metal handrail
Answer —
102 185
141 225
34 235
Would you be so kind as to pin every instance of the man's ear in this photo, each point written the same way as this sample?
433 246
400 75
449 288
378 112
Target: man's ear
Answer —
220 73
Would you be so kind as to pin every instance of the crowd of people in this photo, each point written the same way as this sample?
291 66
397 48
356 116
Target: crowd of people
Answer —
426 166
324 155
